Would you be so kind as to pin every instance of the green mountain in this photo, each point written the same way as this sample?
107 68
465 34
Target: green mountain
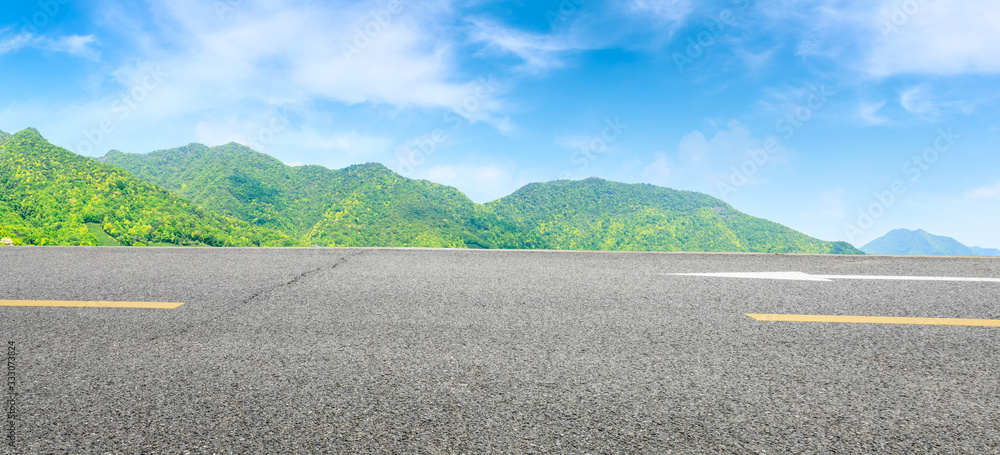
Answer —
596 214
920 242
3 137
51 196
369 205
363 205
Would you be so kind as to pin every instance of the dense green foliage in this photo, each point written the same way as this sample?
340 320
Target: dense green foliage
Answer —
363 205
380 208
49 194
596 214
369 205
103 239
54 197
920 242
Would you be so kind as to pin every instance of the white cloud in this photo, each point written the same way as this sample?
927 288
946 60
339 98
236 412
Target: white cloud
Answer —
819 27
666 10
334 149
661 17
916 101
701 162
756 60
77 45
937 38
884 38
538 52
728 147
349 143
15 43
223 72
869 113
985 192
658 172
291 52
695 147
923 102
480 182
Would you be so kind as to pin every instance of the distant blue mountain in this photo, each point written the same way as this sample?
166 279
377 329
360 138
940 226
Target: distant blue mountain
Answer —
920 242
986 251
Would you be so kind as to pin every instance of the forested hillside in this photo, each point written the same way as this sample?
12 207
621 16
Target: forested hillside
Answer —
596 214
49 196
233 196
363 205
369 205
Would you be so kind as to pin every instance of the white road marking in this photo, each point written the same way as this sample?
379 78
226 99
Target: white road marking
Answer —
800 276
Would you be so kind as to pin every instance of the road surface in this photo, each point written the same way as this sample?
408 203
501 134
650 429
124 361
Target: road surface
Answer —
320 350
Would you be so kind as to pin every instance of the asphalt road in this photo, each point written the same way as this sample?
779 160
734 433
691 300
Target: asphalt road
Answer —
438 352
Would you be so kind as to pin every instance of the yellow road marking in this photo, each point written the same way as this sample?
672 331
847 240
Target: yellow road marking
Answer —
83 304
875 320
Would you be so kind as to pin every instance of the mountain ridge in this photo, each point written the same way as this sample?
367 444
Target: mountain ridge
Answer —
237 181
678 219
577 214
923 243
52 196
231 195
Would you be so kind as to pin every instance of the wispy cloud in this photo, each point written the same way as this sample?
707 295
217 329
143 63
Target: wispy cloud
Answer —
923 102
985 192
14 43
945 38
77 45
700 161
884 38
274 53
538 52
869 113
673 11
916 101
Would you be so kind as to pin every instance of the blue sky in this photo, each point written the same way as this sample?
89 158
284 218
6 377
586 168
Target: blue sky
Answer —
842 119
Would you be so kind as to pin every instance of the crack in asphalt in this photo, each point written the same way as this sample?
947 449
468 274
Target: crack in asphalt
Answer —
255 295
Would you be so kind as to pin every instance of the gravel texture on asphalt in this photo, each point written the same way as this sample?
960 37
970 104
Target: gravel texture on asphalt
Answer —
316 350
